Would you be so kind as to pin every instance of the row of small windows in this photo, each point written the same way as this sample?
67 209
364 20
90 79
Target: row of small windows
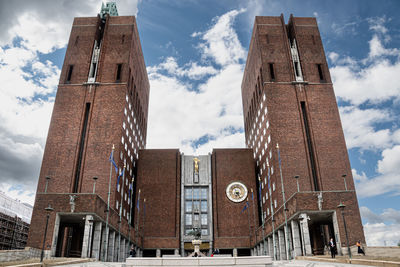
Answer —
117 75
272 72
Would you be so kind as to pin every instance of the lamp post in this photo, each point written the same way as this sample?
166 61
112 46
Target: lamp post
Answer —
48 210
341 206
89 241
297 181
344 179
47 183
94 184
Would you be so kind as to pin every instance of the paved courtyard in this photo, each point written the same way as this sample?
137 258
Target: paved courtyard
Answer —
293 263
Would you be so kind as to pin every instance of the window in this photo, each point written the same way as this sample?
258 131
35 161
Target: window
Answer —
188 219
272 170
204 231
268 211
273 186
275 204
118 77
272 71
204 219
266 195
320 72
69 75
204 206
188 207
123 125
116 205
204 193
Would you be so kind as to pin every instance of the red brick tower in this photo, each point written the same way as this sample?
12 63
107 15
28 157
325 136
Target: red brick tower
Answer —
288 100
102 100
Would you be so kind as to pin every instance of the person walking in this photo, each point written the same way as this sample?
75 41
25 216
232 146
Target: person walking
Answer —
132 252
359 249
332 247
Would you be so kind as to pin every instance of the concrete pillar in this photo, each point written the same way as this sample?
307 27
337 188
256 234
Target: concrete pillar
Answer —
122 255
96 240
337 235
270 247
111 245
277 247
87 237
103 245
176 252
305 234
235 252
55 236
158 253
261 249
116 247
297 251
127 248
282 244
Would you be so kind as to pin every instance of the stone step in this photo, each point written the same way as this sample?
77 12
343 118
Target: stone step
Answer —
255 261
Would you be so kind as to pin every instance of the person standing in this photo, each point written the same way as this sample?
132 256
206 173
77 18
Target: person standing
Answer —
132 252
332 247
359 249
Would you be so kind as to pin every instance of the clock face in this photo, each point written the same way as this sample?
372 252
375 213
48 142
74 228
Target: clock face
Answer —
236 192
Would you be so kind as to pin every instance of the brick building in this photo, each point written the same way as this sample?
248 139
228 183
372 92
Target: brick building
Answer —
101 108
293 126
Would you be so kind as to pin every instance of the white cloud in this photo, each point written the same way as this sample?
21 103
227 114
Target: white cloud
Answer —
388 179
381 229
181 113
221 42
358 126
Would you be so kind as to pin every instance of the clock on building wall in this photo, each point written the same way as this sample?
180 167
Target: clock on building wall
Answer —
236 192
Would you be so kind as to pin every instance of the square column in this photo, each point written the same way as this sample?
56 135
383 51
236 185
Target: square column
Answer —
261 249
104 236
96 240
127 248
111 244
87 237
305 234
270 247
282 245
276 246
122 256
116 247
297 251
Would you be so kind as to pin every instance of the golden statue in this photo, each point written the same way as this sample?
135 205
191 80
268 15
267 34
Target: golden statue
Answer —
196 165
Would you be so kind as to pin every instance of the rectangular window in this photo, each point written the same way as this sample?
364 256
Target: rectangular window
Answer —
204 231
196 206
188 207
119 68
204 219
272 71
196 193
188 193
204 206
188 219
204 193
69 75
320 72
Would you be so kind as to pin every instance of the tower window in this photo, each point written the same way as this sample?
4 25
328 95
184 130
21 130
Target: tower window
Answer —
118 77
320 72
69 75
272 71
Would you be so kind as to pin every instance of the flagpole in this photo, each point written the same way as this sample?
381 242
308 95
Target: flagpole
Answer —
272 213
130 213
144 215
248 217
120 211
284 206
108 206
254 215
262 217
137 220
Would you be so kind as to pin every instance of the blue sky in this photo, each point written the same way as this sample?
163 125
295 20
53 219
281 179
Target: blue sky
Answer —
195 53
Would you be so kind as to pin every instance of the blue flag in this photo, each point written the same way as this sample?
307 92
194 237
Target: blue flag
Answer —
130 188
138 200
119 176
269 179
252 196
245 206
111 159
144 207
259 190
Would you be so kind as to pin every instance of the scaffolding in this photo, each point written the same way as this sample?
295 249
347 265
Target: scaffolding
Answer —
14 223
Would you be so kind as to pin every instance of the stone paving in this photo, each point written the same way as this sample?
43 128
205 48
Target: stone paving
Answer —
293 263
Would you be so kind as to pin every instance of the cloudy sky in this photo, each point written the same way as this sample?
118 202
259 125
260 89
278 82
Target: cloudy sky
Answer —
195 53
